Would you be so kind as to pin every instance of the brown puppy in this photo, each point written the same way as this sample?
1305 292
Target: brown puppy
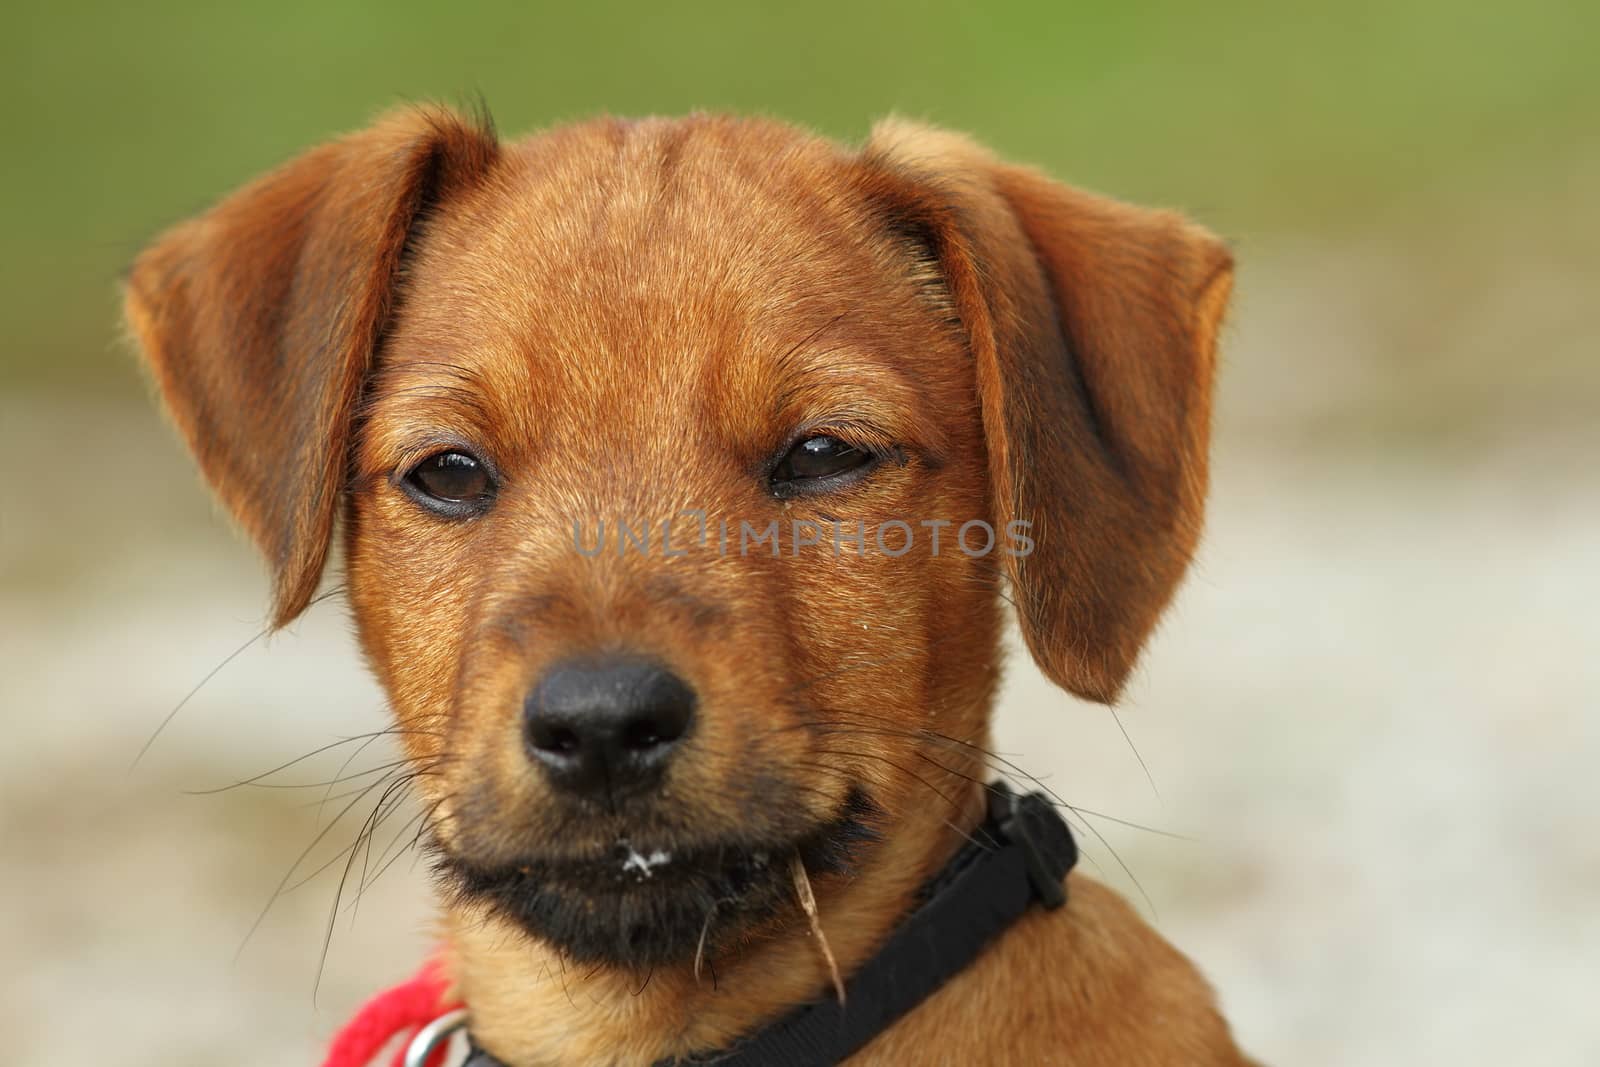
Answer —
500 364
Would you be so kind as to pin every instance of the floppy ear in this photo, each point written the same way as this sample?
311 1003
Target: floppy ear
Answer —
260 319
1093 327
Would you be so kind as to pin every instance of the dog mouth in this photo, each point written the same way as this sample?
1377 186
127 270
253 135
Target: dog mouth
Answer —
643 904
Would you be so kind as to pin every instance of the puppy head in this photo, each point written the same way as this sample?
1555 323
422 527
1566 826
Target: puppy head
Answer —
680 464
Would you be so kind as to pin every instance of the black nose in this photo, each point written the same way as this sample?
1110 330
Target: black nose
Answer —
606 727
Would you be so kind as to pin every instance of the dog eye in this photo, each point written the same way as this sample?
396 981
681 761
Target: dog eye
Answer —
453 483
817 458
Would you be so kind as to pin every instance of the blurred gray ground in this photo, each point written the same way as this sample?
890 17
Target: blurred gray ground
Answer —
1372 711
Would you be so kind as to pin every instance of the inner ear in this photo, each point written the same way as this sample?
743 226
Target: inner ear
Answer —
917 227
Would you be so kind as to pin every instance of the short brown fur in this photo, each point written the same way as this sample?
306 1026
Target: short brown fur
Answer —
629 319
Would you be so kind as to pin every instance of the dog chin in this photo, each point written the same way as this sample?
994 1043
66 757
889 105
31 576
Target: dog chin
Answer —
645 907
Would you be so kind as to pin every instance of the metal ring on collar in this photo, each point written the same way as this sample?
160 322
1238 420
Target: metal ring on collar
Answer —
432 1036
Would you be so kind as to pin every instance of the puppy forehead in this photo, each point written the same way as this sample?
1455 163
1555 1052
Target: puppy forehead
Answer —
716 267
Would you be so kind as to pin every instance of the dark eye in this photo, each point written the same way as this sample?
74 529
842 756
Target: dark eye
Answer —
814 460
452 483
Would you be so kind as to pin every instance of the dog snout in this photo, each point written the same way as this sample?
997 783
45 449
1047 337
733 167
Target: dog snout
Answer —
603 727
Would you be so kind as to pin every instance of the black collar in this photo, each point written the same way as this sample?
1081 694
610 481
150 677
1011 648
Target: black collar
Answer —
1020 854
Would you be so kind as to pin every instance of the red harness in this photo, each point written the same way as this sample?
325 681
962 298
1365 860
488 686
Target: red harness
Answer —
397 1012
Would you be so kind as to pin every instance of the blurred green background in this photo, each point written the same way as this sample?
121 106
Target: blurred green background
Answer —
1267 120
1373 710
